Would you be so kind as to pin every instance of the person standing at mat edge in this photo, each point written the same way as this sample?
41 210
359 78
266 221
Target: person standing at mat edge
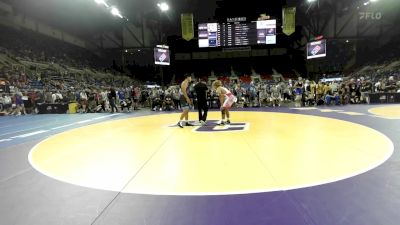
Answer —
201 92
112 96
185 100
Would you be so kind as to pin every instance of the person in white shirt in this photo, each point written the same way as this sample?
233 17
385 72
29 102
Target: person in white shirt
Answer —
275 96
104 100
1 103
59 97
84 99
7 102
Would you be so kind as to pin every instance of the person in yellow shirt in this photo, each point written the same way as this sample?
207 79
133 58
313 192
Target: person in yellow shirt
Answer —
309 93
319 90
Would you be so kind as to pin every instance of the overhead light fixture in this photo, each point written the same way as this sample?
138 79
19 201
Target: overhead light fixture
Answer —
102 2
163 6
366 3
116 12
310 1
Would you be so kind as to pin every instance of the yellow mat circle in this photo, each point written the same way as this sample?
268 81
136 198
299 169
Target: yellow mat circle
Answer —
277 151
388 112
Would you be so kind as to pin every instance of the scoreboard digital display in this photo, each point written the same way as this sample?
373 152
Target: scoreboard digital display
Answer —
237 33
316 49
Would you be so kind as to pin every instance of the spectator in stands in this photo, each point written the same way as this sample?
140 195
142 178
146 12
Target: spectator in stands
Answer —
344 94
40 97
7 103
168 103
398 86
83 101
298 92
381 86
121 95
365 88
112 96
71 96
2 107
335 87
19 105
319 100
276 96
92 102
253 95
57 97
247 98
238 91
354 92
145 98
175 98
287 95
104 100
2 102
391 85
377 86
127 104
48 97
309 93
156 104
136 97
161 93
330 95
263 96
27 102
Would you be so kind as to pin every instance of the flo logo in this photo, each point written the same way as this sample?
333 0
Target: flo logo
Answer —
316 49
212 126
370 15
162 57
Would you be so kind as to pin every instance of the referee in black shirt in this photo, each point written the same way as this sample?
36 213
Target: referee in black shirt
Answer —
201 92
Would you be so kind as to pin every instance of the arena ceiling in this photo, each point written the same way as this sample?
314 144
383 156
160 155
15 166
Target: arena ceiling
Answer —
85 17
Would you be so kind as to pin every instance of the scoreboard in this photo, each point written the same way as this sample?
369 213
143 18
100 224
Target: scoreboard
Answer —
237 33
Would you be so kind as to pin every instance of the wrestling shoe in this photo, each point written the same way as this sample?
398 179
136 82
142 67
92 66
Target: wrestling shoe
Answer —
188 124
221 123
180 124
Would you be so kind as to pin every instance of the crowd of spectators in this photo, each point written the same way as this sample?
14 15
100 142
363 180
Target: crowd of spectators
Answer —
293 92
36 70
338 89
129 96
21 94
